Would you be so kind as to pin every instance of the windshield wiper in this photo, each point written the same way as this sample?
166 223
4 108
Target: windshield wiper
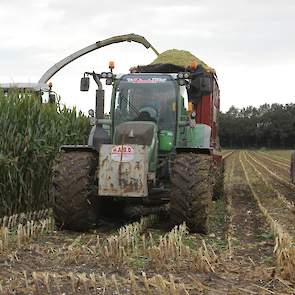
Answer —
134 109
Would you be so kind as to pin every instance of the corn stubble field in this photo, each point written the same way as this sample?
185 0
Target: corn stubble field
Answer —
250 248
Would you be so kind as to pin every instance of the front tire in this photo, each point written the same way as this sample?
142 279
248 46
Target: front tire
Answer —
74 190
191 191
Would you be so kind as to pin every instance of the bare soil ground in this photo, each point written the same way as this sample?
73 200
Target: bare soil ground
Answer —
148 257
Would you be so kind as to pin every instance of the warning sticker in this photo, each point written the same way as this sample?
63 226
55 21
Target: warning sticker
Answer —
122 153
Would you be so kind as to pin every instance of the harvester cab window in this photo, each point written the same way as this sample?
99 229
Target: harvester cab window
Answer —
184 97
146 98
44 96
184 102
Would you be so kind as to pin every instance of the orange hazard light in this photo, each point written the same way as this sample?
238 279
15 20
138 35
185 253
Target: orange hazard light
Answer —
194 64
111 65
190 107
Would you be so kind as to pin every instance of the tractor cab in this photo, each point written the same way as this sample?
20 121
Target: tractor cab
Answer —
146 97
145 110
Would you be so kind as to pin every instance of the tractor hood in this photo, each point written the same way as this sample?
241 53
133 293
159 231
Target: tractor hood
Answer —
136 132
139 133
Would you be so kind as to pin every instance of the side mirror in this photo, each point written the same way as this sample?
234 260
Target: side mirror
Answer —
52 98
84 85
206 84
202 84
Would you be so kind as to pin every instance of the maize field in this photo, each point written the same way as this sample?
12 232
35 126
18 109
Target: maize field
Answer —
31 134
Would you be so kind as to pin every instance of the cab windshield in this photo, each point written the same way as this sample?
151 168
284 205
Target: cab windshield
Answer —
146 97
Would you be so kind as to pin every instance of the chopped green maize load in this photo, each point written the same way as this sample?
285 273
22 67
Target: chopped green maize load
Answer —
181 58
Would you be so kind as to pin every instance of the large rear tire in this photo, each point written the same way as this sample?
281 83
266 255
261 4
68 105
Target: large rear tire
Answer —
191 191
74 190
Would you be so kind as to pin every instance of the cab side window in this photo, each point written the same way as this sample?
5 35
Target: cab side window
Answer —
184 100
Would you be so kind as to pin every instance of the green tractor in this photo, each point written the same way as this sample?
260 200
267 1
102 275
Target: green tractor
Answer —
159 146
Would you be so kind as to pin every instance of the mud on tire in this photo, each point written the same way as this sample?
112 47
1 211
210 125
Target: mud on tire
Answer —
191 191
74 190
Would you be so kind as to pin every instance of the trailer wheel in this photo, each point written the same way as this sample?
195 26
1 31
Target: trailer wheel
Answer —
191 191
74 190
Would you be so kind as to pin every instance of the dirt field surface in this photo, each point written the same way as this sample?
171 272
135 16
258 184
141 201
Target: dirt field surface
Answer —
282 155
249 250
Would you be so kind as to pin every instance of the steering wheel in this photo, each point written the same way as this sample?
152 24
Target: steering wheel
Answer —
148 113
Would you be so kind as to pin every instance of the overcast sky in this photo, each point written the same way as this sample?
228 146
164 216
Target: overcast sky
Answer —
250 43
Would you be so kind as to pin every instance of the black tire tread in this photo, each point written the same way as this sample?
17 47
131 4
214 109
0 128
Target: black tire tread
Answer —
74 190
191 191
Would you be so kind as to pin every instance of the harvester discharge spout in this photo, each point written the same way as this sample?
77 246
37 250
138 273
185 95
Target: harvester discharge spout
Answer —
99 44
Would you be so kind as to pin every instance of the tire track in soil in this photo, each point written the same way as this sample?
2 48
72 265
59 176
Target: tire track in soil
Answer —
246 265
280 185
277 157
285 165
281 171
271 190
276 207
229 170
252 250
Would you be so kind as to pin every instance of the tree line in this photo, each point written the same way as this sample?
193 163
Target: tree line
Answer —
269 126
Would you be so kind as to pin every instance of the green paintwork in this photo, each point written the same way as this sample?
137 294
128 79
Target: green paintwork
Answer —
166 141
193 137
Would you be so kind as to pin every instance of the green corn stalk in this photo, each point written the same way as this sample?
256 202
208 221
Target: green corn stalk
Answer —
30 135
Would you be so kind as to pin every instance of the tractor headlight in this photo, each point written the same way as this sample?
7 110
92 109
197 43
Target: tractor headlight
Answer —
181 82
180 76
103 75
186 75
109 75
